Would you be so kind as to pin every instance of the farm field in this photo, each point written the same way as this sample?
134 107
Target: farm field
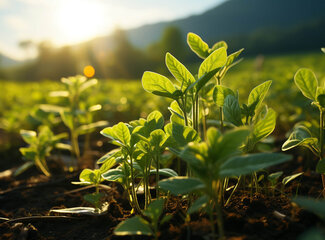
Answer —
249 196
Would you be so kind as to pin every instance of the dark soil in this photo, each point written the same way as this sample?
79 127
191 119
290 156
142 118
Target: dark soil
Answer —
261 215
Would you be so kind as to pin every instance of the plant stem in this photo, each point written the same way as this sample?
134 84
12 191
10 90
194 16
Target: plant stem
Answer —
134 194
75 146
157 175
321 140
42 165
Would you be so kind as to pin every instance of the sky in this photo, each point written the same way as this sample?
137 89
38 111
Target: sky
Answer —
65 22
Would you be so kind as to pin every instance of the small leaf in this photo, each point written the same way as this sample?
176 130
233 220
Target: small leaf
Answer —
220 93
215 60
218 45
81 210
154 210
231 110
112 154
242 165
258 94
181 185
179 71
288 179
165 172
200 83
300 136
28 136
23 168
232 57
307 82
133 226
198 204
274 177
197 45
159 85
320 168
108 164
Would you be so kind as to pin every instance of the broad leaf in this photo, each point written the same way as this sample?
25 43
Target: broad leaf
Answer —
215 60
258 94
133 226
28 136
300 136
220 93
179 71
242 165
307 82
198 204
313 205
181 185
231 110
158 85
320 168
197 45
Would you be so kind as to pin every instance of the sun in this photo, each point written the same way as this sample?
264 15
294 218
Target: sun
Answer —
80 20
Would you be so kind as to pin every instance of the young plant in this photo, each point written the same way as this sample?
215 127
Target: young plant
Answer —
39 147
141 144
211 162
77 114
91 178
148 224
301 135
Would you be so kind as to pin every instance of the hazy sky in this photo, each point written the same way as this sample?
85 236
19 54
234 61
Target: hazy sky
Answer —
71 21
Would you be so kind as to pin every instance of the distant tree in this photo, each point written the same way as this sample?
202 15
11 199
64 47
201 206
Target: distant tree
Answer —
27 46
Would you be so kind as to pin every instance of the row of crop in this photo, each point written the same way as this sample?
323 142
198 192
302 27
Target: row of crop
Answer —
212 156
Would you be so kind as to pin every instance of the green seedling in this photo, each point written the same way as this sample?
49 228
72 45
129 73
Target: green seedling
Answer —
91 178
148 224
77 115
39 147
211 162
202 49
274 177
141 144
301 135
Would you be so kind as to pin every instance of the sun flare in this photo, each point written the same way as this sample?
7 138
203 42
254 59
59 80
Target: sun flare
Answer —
80 20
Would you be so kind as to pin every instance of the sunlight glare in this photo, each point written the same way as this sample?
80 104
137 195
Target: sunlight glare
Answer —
80 20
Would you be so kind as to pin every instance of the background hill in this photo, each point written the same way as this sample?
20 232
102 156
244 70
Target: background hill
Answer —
242 18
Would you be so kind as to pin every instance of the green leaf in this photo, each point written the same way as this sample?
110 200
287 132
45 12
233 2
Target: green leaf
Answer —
288 179
28 136
94 199
29 153
111 154
154 210
220 93
274 177
258 94
108 164
181 185
242 165
159 85
229 144
300 136
307 82
155 120
87 175
315 206
113 174
133 226
231 110
179 71
198 204
320 168
200 83
87 128
165 172
265 126
232 57
88 84
197 45
218 45
119 133
215 60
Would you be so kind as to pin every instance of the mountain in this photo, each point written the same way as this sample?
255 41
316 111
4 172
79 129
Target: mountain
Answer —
238 18
7 61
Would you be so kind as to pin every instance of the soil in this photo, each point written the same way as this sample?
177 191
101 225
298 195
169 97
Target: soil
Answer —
261 215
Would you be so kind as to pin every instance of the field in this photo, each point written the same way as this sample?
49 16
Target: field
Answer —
211 177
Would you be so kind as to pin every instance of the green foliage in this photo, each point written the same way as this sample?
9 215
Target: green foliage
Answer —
39 147
146 225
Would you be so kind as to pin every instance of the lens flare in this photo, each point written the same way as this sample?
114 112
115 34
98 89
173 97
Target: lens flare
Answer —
89 71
